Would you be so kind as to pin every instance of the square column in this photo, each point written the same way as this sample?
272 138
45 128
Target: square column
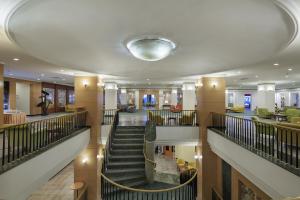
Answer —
86 166
111 96
174 99
211 98
266 96
1 92
188 96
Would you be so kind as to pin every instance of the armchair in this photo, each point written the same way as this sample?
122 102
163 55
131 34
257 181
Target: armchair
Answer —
263 113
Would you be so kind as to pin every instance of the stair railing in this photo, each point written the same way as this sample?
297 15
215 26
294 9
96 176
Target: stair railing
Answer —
148 150
109 140
111 190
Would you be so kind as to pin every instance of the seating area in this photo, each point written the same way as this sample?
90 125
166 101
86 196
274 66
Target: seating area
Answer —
169 118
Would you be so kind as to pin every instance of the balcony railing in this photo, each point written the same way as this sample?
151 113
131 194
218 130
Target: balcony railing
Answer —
169 118
21 142
108 116
277 144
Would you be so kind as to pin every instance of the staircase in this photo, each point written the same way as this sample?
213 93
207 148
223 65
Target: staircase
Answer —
126 163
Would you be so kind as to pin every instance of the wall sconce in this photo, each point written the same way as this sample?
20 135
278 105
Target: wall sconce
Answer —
99 156
214 84
85 83
84 160
198 157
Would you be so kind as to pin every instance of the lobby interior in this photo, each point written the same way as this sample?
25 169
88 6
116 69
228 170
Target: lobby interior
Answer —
149 100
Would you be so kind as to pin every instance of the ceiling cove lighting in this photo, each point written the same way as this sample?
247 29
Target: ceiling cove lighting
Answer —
150 48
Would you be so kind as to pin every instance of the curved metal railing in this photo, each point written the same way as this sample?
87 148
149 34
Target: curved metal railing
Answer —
111 190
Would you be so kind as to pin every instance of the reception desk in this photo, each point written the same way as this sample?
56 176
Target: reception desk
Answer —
14 117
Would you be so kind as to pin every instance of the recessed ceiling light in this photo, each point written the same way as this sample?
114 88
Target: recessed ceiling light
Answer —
290 69
148 79
150 48
276 64
42 75
62 70
256 76
286 76
72 73
16 59
11 74
38 79
63 79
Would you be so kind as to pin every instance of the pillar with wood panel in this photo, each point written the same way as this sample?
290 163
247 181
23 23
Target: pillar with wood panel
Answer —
210 98
1 92
88 94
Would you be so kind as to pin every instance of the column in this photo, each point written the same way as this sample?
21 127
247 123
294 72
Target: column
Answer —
161 98
86 165
188 96
123 97
1 92
137 100
111 96
12 94
174 98
266 96
211 98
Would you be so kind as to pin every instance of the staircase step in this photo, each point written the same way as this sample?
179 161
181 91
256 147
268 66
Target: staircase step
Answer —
128 136
128 141
125 165
125 180
121 172
127 152
126 158
127 146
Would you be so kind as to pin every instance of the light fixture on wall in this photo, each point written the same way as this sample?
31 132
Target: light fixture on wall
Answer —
84 160
85 83
198 84
214 84
198 157
150 48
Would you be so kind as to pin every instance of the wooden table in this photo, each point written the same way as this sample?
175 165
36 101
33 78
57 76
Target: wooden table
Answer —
14 117
77 186
280 117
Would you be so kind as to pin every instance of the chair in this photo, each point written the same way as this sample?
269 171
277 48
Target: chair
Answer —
291 113
156 118
264 113
187 119
238 109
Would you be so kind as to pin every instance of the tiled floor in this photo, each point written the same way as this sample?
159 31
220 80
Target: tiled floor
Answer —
138 118
57 188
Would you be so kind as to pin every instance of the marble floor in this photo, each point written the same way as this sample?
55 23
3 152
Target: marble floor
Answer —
138 118
58 187
166 170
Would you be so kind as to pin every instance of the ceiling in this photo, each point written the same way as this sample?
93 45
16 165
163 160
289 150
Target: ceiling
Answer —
237 39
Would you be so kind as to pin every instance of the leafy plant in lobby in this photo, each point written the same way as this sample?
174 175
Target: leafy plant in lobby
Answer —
45 102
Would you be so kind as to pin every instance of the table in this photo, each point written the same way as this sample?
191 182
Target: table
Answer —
14 117
280 117
77 186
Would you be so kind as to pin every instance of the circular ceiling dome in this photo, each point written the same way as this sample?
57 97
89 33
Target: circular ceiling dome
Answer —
151 48
211 35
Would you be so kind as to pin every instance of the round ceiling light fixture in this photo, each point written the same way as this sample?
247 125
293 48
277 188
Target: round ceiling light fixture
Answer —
150 48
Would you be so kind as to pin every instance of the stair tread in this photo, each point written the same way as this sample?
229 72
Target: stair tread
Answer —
125 163
109 171
128 144
127 177
127 156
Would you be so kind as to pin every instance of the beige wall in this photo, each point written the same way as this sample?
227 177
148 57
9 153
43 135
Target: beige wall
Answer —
186 153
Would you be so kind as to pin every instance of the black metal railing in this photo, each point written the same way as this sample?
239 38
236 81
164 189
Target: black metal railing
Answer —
108 116
169 118
113 191
278 144
109 140
18 141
